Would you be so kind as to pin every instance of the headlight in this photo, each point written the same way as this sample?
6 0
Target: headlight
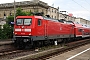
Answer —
17 29
27 30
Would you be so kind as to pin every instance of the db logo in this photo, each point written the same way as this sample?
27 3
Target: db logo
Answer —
22 26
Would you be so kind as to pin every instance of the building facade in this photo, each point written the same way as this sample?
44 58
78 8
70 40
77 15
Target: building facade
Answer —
7 9
33 6
53 12
66 17
81 21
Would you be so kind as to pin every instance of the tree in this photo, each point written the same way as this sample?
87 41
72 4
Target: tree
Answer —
0 32
10 19
29 13
6 32
19 12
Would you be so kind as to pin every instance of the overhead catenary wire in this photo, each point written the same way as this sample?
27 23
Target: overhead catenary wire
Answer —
81 6
87 2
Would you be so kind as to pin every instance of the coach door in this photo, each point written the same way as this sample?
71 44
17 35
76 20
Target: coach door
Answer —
42 28
39 27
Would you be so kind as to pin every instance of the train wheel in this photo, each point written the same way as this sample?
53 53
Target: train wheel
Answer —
19 44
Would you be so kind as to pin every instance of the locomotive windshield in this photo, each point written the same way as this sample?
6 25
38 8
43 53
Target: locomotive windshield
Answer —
23 21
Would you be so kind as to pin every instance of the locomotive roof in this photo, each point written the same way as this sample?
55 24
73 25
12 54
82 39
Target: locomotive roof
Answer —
40 17
46 18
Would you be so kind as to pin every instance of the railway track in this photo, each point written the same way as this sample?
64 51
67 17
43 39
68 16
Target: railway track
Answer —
10 52
7 55
6 49
70 46
44 55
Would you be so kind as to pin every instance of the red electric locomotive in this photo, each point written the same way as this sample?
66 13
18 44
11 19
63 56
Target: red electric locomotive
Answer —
34 29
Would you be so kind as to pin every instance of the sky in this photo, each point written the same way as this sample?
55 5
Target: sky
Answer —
79 8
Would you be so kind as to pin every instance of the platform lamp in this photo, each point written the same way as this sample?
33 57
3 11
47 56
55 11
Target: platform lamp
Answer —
14 19
14 11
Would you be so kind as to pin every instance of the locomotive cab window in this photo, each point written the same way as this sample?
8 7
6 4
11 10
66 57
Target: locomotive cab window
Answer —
19 22
80 30
24 21
27 21
39 22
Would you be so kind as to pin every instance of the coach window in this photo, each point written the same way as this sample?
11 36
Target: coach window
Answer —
39 22
80 30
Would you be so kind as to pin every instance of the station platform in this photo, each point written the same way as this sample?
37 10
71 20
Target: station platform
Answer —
3 42
81 53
